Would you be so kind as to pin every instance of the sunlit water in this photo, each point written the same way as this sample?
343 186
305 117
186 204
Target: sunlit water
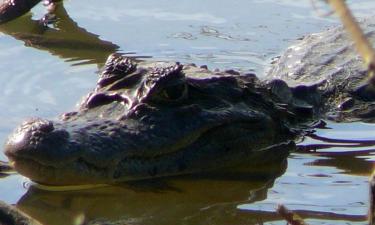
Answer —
43 81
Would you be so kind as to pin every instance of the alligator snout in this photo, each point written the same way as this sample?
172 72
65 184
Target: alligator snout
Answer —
36 139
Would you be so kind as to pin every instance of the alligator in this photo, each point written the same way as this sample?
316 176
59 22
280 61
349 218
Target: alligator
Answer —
152 119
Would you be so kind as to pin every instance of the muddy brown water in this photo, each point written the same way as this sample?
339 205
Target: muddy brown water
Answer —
44 72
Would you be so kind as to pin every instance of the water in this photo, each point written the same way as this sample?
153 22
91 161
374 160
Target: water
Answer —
49 76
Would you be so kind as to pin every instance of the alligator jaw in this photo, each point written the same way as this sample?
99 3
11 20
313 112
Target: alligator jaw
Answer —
179 159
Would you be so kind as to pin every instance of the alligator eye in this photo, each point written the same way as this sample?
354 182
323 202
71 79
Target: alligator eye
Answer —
174 92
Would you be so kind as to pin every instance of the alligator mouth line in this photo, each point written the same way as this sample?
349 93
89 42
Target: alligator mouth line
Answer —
38 171
58 188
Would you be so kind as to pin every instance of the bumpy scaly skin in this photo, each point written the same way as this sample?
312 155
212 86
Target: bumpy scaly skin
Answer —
150 120
159 119
324 70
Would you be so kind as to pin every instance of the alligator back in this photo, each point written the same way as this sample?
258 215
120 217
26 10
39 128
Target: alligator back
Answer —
327 65
328 56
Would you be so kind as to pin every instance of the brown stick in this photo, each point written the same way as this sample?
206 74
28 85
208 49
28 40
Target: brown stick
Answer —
291 217
362 44
371 213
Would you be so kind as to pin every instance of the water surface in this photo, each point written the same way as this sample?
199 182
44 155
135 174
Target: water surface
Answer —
45 72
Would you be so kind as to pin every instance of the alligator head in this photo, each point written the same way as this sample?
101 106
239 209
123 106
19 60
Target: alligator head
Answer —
149 120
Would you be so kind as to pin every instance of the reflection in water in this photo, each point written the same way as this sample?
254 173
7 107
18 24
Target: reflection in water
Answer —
351 162
245 195
326 180
65 39
318 215
199 199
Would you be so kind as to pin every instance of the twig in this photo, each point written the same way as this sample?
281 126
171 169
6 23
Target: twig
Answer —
363 46
291 217
371 213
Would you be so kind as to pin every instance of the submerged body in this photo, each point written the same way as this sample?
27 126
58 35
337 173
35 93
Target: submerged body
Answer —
156 119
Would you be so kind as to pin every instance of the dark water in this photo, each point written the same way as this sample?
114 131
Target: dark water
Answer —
44 72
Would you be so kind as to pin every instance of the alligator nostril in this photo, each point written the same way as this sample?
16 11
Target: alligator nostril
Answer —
29 134
45 126
36 138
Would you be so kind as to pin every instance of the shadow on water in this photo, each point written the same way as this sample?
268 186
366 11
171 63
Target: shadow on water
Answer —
195 199
64 38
